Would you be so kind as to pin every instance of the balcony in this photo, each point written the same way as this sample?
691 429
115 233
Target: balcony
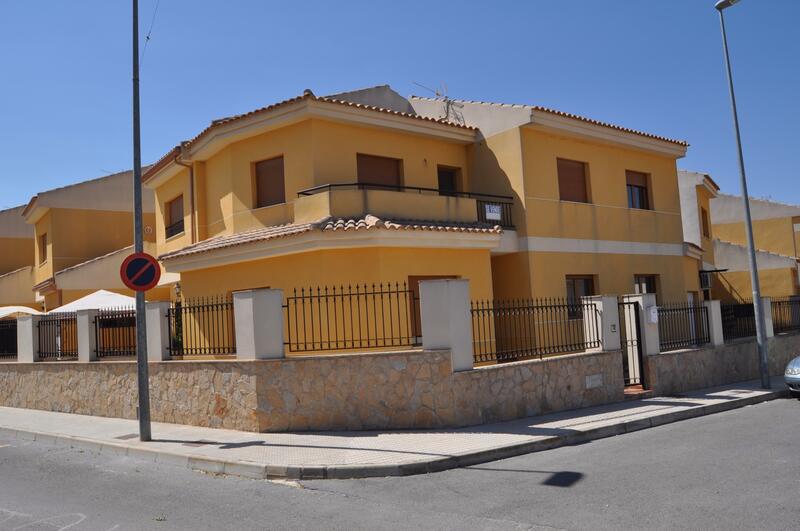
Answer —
402 202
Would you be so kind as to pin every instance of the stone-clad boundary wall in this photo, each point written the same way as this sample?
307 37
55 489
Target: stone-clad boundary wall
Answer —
684 370
363 391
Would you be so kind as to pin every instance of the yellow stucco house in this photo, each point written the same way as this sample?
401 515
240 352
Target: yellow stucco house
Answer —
323 191
776 230
368 186
596 206
79 235
16 261
697 190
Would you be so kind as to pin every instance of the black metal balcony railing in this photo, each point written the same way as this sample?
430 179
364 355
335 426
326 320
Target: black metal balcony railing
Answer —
174 229
491 208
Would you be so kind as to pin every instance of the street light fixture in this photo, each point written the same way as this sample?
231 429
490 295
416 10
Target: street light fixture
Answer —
763 360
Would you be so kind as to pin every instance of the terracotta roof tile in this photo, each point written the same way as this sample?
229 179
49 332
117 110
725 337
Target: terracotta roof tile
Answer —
367 222
567 115
241 238
372 222
307 95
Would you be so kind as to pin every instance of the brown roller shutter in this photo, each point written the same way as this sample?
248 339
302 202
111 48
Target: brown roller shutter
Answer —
572 181
636 178
270 186
378 170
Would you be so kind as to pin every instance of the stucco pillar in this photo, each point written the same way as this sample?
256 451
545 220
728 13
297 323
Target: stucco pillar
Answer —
258 317
715 332
446 320
87 338
606 325
648 322
156 315
766 305
28 338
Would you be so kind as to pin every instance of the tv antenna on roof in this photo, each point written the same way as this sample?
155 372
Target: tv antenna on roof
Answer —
451 107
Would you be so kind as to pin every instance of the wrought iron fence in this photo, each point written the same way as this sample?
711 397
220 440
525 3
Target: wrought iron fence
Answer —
786 314
201 327
509 330
8 338
352 317
682 325
115 333
58 336
738 320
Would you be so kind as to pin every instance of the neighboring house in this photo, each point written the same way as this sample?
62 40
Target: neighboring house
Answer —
778 274
16 240
596 206
79 223
776 226
776 231
16 259
696 191
322 191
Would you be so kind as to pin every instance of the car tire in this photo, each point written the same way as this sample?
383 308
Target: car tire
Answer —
794 394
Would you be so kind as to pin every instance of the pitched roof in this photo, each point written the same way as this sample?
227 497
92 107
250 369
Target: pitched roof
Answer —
564 114
368 222
306 96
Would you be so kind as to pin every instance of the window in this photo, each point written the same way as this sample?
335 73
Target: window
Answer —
448 180
706 224
43 248
270 184
577 287
645 284
638 190
572 184
382 171
174 217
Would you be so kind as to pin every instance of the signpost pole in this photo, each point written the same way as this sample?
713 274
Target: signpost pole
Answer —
141 330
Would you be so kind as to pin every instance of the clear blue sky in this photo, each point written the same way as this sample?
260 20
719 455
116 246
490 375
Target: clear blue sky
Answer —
651 65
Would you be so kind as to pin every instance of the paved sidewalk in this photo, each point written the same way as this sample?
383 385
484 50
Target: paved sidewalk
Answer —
369 454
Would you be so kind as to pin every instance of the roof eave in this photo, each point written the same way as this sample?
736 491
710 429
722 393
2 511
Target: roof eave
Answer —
573 126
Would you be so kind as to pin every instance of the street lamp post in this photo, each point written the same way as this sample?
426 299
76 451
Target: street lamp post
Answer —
142 376
761 326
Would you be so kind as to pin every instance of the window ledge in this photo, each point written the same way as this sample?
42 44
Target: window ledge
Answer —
175 237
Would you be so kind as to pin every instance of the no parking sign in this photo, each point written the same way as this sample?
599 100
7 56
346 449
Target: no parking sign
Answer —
140 272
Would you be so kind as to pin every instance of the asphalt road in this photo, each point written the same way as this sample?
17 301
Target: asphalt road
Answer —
734 470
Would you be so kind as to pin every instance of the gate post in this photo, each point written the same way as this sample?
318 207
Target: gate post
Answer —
156 315
258 319
607 329
649 340
87 335
766 305
446 320
28 338
715 331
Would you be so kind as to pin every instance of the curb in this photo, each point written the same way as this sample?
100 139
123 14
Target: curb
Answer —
252 470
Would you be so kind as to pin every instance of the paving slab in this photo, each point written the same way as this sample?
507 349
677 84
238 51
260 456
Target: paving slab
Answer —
342 455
